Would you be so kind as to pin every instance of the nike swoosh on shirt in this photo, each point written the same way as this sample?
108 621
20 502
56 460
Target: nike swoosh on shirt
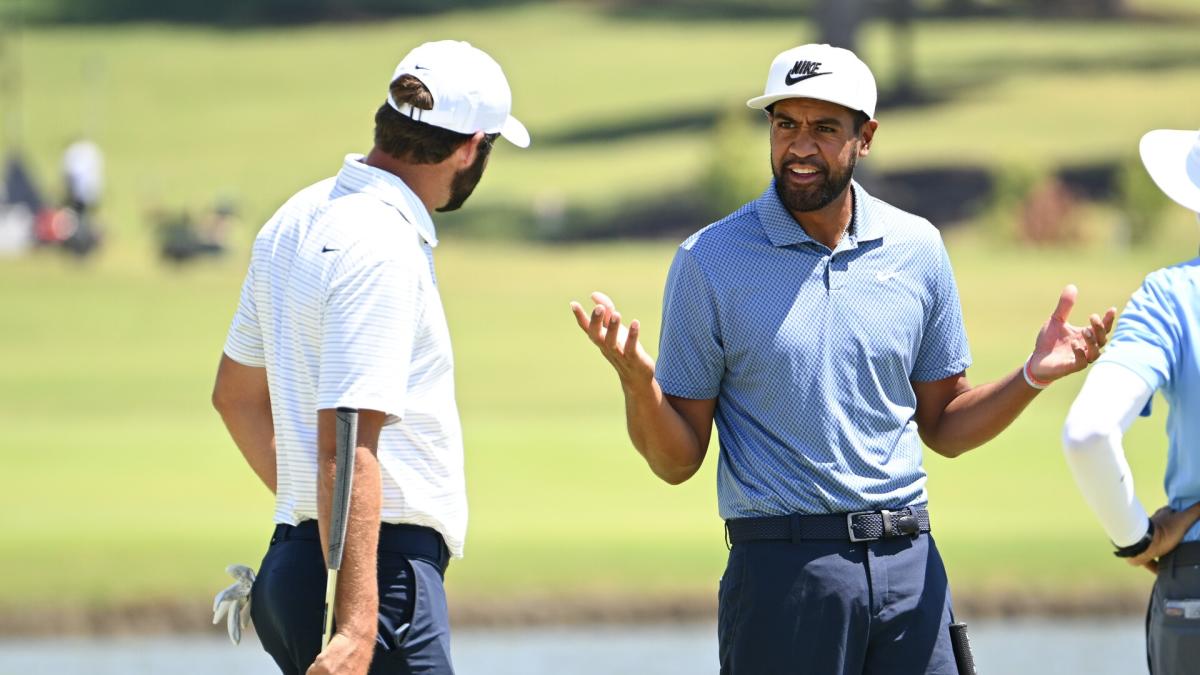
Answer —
789 79
886 276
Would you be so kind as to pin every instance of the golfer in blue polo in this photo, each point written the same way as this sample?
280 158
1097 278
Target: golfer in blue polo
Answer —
1153 349
821 329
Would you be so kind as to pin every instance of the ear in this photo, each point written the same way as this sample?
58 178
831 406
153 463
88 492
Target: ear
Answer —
465 155
865 136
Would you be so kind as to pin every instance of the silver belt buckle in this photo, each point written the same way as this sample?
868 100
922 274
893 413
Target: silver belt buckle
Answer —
850 526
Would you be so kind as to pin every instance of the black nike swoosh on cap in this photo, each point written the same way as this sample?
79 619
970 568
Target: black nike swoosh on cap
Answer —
326 249
789 80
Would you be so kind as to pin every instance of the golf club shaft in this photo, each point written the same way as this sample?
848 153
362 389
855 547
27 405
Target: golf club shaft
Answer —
346 435
327 616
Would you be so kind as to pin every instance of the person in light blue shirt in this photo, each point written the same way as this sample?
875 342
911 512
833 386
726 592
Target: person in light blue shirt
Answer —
820 329
1153 349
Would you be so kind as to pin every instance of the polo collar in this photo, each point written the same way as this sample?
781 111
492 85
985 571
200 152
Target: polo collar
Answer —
358 176
783 230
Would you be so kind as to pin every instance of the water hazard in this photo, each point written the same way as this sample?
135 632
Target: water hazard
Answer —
1099 647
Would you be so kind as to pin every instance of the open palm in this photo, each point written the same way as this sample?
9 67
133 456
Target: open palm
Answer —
1062 349
618 344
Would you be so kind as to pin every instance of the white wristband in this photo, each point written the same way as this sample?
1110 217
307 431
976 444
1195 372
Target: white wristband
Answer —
1029 378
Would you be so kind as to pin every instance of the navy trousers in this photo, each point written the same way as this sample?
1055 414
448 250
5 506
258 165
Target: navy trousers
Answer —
288 600
835 608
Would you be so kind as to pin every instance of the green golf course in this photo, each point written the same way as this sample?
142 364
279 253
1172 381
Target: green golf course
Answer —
121 486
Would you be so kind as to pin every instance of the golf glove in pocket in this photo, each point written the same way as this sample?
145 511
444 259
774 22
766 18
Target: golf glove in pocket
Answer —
233 603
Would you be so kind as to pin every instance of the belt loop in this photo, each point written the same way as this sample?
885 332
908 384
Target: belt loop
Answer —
887 522
794 526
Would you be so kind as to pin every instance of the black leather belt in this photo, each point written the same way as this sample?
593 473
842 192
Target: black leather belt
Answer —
1184 555
856 526
410 541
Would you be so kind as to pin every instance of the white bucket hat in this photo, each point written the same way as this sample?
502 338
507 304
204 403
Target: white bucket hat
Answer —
1172 158
470 92
822 72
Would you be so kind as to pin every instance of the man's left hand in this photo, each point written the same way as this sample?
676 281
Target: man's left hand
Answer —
1062 349
1169 528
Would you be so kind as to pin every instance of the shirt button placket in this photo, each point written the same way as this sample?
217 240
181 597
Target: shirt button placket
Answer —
835 274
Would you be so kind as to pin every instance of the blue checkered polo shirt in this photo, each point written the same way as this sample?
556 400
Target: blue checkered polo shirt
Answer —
810 352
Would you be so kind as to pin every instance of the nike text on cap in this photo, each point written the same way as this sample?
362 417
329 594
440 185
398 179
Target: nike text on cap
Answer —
1172 158
822 72
470 92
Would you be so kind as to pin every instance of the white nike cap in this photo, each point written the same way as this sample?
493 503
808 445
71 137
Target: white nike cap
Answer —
822 72
1172 158
470 92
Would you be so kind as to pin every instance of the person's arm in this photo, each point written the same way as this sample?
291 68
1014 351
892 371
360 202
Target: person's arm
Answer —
369 319
671 433
1093 436
243 400
357 606
954 417
1169 529
1111 397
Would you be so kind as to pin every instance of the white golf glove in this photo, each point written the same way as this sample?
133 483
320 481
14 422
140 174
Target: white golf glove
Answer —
234 602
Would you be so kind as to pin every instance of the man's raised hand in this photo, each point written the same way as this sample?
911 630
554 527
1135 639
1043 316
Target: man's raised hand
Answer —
1062 349
618 343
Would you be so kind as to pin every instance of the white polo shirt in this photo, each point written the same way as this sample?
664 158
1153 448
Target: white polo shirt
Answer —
341 306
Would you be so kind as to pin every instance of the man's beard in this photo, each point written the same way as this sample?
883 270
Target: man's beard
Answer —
464 182
814 197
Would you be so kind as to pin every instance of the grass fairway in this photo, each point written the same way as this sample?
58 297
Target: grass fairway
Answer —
122 486
187 114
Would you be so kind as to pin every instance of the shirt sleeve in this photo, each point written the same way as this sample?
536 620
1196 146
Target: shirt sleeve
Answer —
367 327
943 351
244 342
691 358
1147 336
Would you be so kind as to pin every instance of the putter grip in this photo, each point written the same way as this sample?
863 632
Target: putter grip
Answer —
962 649
346 432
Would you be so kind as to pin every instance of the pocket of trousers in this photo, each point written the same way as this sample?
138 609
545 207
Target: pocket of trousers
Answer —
397 602
1176 639
730 593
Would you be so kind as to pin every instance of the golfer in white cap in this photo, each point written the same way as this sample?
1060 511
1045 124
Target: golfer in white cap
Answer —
1156 347
820 328
340 308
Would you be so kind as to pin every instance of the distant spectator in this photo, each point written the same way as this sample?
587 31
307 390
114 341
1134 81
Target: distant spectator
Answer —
181 238
74 226
18 184
19 204
83 172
